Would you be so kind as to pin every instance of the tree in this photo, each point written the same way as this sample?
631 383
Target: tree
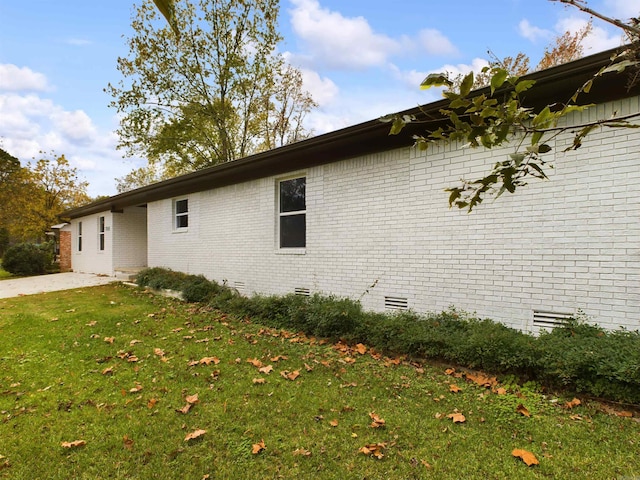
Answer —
209 88
49 187
497 117
139 177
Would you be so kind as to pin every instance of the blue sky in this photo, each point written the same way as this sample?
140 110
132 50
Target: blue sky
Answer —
360 60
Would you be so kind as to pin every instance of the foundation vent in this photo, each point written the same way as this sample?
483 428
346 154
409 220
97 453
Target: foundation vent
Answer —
304 292
396 303
239 286
546 319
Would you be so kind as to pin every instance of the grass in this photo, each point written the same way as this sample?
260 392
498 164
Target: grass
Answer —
4 274
111 365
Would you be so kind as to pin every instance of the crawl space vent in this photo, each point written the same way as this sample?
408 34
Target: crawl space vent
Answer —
396 303
239 286
305 292
545 319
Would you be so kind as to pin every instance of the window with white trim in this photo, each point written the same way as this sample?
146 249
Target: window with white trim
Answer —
181 213
101 233
292 213
79 236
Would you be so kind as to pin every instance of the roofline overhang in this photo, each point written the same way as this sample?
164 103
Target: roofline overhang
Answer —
552 85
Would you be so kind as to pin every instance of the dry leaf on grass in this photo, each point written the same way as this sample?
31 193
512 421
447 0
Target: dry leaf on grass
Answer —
184 409
195 434
128 443
457 417
573 403
256 448
454 388
290 375
259 381
377 421
360 348
302 451
334 422
527 457
74 444
192 398
522 410
266 369
373 449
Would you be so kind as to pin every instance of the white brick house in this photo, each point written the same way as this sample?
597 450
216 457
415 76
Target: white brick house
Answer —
362 214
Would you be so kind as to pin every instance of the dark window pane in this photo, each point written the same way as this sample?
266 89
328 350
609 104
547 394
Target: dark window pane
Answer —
182 221
79 244
182 206
292 195
101 221
79 228
102 241
293 231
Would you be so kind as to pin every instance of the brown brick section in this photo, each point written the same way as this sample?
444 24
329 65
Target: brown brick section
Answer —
65 251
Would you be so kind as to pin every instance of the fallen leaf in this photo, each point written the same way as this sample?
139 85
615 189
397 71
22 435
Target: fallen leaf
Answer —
457 417
373 449
184 409
482 379
192 398
573 403
128 443
308 367
501 391
92 323
360 348
255 362
290 375
74 444
454 388
522 410
107 371
377 421
209 361
135 389
527 457
277 358
258 447
109 339
152 403
159 352
132 359
301 451
266 369
334 423
194 434
259 380
133 342
450 371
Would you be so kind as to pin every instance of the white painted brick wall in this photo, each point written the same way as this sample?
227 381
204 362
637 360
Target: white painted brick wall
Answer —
571 243
91 259
130 238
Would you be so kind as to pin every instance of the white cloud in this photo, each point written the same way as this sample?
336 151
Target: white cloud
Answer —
338 41
14 78
598 40
477 64
322 89
533 33
621 9
435 43
30 124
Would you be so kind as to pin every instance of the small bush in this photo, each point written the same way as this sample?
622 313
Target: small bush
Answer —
27 259
198 289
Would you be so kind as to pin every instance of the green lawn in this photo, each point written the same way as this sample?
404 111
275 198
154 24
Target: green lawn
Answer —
111 367
4 274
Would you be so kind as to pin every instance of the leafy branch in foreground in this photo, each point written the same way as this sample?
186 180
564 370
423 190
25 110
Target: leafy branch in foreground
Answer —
499 118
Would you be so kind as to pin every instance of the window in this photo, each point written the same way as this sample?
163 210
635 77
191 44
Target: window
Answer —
292 213
181 213
79 236
101 233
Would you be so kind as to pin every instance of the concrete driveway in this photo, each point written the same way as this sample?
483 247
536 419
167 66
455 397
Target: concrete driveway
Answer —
50 283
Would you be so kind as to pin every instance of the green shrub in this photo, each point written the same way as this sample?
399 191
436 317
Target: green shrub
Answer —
198 289
27 259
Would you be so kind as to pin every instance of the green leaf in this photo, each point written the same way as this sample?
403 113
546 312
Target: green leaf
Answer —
617 67
543 119
498 79
467 84
544 148
397 126
523 85
536 137
436 80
